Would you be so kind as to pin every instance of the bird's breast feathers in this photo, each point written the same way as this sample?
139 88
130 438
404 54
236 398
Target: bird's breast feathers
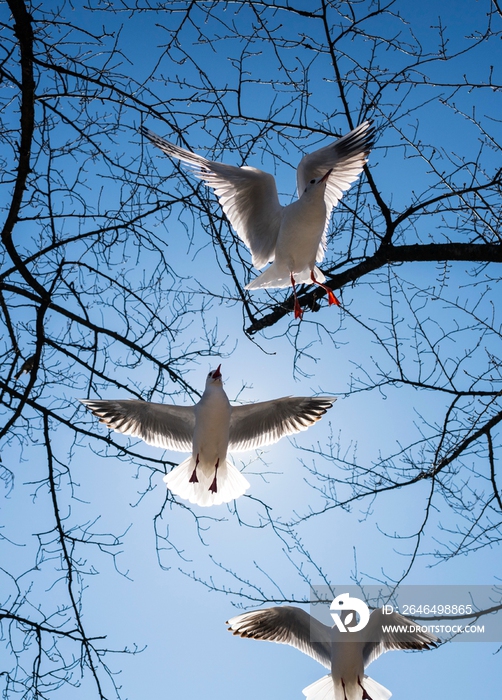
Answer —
212 422
347 661
300 234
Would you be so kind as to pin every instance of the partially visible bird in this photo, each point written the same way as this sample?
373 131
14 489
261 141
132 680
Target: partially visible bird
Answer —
209 429
293 237
346 654
26 367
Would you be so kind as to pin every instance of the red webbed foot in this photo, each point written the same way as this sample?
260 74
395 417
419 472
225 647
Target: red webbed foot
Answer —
365 695
193 479
214 486
298 308
331 297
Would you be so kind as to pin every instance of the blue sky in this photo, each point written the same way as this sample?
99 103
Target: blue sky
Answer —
151 595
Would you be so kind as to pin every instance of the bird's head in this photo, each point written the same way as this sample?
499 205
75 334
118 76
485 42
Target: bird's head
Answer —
214 376
317 184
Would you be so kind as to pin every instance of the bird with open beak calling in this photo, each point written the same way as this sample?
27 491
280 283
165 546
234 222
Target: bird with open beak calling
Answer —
292 238
209 429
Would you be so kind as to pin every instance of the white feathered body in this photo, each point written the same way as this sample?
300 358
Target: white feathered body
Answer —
296 253
212 421
209 454
347 664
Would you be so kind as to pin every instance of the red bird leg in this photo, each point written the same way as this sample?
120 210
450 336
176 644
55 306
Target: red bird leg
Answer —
331 297
365 694
214 485
343 686
193 479
298 308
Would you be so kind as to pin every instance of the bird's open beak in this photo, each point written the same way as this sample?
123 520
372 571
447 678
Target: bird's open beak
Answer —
217 372
323 179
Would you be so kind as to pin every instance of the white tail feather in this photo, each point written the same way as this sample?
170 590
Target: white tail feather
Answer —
279 277
318 275
375 690
325 689
230 483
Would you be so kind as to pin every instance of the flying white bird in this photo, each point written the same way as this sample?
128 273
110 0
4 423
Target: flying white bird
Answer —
346 654
209 429
293 238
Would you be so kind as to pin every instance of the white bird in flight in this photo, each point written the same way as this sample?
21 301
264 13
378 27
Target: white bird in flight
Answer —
293 237
209 429
346 654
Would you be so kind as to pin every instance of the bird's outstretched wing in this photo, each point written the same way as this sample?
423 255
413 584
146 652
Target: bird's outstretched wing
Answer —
157 424
347 158
266 422
248 197
286 625
403 636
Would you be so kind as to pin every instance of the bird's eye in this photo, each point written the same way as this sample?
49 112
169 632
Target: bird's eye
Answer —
312 182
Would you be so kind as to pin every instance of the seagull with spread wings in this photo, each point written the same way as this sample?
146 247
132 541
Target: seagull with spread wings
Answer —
292 238
209 429
346 654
